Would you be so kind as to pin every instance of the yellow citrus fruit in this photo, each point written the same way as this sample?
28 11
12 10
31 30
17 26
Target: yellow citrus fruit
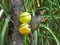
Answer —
24 17
24 29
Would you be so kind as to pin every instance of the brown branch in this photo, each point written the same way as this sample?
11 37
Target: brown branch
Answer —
25 6
16 36
31 39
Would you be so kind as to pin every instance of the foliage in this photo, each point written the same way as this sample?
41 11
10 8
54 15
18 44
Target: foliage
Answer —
48 33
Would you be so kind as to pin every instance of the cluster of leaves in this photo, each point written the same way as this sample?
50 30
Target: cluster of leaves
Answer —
48 32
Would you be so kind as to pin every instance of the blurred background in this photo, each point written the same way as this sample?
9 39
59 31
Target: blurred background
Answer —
48 32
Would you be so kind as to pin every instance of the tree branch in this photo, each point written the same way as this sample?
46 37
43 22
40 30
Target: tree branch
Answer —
16 37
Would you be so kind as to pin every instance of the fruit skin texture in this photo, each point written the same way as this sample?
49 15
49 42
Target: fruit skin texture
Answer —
24 29
24 17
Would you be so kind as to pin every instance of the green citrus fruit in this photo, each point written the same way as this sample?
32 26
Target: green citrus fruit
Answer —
25 17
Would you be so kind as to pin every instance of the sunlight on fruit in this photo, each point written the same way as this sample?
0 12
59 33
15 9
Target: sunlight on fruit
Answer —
25 17
24 29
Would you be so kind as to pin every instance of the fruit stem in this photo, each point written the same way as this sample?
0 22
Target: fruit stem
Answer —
24 39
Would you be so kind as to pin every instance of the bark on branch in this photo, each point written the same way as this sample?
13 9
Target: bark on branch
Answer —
16 37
